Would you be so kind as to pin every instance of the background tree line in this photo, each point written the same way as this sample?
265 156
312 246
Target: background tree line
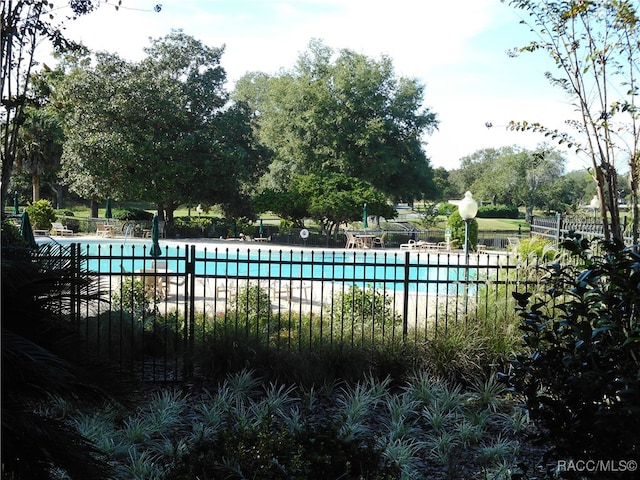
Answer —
164 130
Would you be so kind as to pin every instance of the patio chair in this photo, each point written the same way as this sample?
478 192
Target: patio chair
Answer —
379 241
303 287
58 228
101 230
226 290
428 246
411 244
351 240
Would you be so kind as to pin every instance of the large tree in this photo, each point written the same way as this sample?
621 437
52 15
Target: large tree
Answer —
446 187
161 130
512 175
346 114
25 24
595 45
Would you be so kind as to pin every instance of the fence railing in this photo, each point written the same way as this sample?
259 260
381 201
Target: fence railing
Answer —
556 227
151 313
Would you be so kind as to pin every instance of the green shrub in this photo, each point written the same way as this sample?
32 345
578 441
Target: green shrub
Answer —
132 214
254 305
538 247
244 225
11 235
445 209
580 373
194 227
457 227
498 211
365 305
41 214
286 226
133 297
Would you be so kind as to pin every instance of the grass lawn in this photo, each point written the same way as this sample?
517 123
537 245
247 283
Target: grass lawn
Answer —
500 224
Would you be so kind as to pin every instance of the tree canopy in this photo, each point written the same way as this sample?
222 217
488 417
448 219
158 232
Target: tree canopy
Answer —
161 130
331 199
25 24
346 115
515 176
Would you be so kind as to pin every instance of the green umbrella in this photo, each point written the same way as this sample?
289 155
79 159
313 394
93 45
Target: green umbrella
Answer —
155 251
26 231
365 215
16 204
107 210
260 229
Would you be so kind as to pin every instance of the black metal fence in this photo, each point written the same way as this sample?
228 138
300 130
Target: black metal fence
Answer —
152 313
556 227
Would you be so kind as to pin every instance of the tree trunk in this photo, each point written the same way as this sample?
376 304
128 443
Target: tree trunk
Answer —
634 180
7 169
528 216
612 184
59 190
94 208
35 186
599 179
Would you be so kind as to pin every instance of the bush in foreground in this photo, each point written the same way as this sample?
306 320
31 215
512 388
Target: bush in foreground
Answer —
580 373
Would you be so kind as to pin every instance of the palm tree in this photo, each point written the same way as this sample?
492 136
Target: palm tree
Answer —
40 362
39 145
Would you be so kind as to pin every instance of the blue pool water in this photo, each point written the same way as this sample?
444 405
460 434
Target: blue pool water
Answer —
383 269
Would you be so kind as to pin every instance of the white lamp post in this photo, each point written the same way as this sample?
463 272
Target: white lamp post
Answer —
595 204
199 210
468 209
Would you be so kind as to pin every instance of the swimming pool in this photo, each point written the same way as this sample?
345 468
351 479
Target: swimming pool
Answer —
381 269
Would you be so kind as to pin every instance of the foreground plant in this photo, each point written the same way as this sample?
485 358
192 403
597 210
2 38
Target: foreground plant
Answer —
580 374
45 374
247 428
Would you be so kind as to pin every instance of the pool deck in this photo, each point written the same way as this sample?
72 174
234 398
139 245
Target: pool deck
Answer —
254 245
305 297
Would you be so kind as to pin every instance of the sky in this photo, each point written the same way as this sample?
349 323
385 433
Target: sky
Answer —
456 49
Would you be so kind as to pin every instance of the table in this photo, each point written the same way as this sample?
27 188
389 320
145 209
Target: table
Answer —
365 241
260 239
156 280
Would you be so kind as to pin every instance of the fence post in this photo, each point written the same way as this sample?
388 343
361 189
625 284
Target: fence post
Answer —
405 299
75 284
190 315
558 227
